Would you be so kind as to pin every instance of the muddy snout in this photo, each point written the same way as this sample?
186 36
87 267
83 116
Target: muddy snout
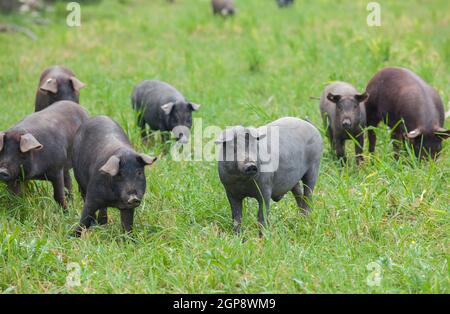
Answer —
250 168
347 124
4 174
133 200
181 133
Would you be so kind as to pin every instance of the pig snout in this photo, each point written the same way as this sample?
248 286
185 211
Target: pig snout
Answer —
133 200
4 174
346 124
250 168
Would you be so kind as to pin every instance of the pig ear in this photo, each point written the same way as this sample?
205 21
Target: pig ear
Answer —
333 98
193 106
77 84
226 136
50 85
413 134
440 132
29 142
111 167
2 136
146 160
167 108
362 97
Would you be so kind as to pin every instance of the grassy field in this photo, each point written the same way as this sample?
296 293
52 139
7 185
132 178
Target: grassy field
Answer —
263 64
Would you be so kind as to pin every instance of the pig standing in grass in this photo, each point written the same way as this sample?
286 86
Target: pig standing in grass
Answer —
268 162
39 148
163 108
57 83
344 116
397 95
223 7
108 171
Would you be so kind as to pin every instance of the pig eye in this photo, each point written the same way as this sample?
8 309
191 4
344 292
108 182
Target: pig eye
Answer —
139 172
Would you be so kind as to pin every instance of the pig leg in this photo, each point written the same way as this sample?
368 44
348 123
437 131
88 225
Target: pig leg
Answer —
14 187
264 203
309 182
340 150
102 216
57 181
127 217
68 182
236 213
359 148
87 218
298 194
397 140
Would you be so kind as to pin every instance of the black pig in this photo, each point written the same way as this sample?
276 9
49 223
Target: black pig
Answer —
163 108
397 95
108 171
57 83
39 148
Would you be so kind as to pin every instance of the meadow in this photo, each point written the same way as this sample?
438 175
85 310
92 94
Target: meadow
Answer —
381 227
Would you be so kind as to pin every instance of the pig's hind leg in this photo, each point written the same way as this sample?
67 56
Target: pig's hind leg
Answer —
57 180
102 216
309 182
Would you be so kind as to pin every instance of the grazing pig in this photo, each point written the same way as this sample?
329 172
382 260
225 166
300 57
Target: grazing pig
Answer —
344 117
284 3
223 7
163 108
39 148
268 162
108 171
57 83
397 95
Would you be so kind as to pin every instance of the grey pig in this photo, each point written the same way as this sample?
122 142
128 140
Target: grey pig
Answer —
57 83
344 117
223 7
163 108
298 148
40 147
109 172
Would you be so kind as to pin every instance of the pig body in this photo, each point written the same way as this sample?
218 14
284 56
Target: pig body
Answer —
398 94
284 3
108 171
39 148
344 116
299 147
223 7
55 84
163 108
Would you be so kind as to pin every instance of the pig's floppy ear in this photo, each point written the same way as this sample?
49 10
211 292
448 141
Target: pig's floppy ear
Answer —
2 136
413 134
333 98
362 97
77 84
167 108
50 85
258 134
193 106
146 160
225 136
29 142
111 167
440 132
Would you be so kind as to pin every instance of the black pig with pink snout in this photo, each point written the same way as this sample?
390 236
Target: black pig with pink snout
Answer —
109 172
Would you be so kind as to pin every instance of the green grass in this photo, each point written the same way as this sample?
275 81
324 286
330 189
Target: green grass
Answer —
263 64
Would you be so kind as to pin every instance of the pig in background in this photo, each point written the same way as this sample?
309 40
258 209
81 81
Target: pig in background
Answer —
298 150
35 149
344 116
162 107
109 172
284 3
57 83
223 7
410 107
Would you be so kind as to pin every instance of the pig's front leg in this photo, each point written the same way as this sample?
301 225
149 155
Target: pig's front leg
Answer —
68 183
87 217
102 216
127 217
57 180
359 146
340 151
14 187
264 203
236 212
